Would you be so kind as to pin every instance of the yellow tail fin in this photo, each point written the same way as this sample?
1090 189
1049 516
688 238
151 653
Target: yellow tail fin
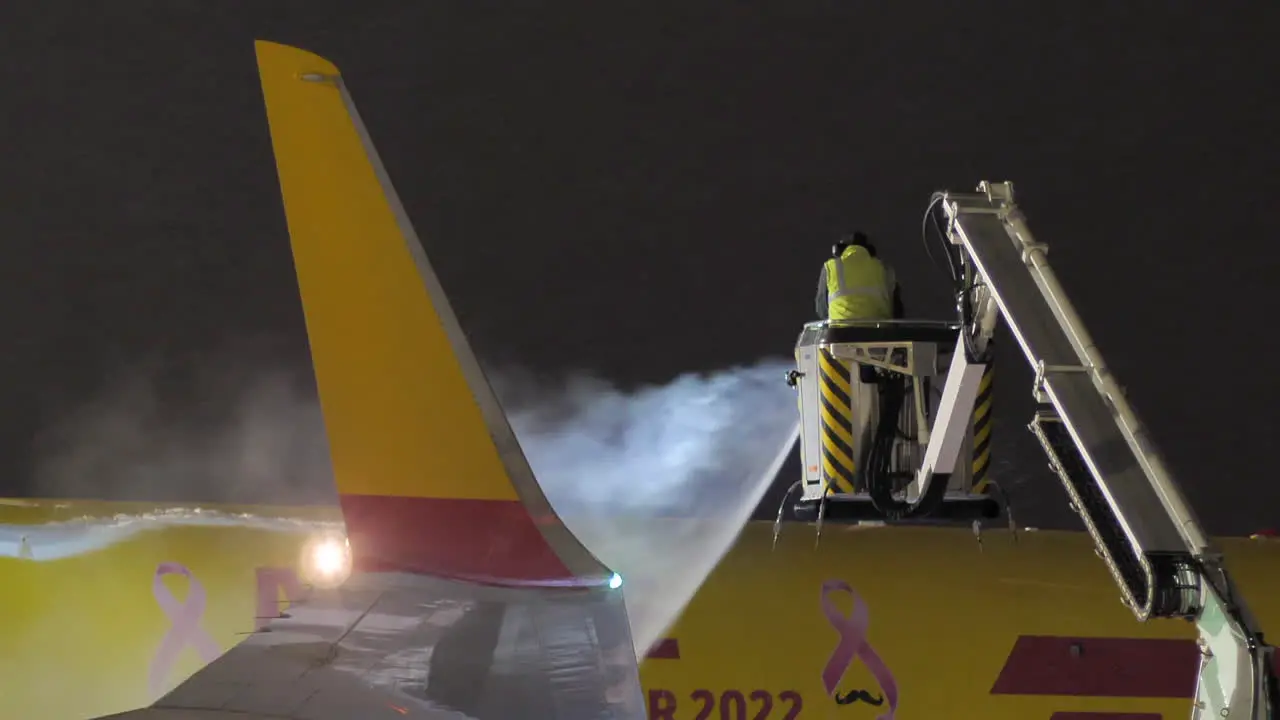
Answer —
429 473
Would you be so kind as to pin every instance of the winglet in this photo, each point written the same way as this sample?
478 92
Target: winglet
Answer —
430 475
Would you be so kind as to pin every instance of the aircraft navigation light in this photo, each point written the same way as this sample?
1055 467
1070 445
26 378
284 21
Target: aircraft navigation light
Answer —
326 560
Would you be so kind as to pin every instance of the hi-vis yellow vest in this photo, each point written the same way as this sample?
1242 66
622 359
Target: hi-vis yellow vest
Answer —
859 287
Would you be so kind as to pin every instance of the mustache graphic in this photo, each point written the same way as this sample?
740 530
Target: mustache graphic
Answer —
854 696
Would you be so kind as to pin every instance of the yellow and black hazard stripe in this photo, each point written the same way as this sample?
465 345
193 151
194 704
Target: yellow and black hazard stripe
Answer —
982 430
834 377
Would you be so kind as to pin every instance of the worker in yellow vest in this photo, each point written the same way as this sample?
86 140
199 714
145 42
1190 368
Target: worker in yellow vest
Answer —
856 285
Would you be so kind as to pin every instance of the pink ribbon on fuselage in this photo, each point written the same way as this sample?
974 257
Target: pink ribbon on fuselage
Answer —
185 625
853 645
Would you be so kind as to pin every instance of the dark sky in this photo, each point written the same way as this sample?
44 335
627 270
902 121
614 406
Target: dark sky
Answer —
645 189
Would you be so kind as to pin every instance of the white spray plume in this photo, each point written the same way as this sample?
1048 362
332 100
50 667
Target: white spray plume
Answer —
657 482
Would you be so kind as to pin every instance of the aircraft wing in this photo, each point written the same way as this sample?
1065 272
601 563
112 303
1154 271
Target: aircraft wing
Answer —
467 595
400 646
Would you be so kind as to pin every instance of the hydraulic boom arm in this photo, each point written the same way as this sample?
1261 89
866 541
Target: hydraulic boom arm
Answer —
1161 559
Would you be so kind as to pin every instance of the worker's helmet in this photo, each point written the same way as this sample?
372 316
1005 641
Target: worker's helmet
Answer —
858 239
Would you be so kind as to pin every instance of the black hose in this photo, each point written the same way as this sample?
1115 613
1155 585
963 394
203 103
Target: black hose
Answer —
879 481
1270 675
953 263
931 216
963 289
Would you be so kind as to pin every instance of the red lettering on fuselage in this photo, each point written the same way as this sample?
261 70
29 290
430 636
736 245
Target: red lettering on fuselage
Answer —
272 584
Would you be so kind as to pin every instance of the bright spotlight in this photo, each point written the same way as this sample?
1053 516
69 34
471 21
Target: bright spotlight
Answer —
326 561
328 558
615 581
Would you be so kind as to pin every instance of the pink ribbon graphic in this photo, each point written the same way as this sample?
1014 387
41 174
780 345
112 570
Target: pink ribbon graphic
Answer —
185 628
853 645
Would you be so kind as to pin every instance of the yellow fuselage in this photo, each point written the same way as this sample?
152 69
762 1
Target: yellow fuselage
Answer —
944 614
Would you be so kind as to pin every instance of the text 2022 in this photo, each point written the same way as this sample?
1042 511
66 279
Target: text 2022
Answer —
726 705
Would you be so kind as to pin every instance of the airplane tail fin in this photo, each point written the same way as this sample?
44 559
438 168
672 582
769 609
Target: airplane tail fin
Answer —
429 473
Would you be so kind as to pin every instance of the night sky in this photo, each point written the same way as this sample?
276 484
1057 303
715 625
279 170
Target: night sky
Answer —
646 189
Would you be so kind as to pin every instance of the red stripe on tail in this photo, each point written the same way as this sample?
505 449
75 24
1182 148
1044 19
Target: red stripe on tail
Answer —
492 541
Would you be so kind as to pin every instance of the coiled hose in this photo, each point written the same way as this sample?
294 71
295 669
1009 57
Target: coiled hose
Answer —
892 391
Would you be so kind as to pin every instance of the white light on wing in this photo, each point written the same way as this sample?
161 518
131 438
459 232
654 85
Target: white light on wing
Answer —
328 558
326 561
